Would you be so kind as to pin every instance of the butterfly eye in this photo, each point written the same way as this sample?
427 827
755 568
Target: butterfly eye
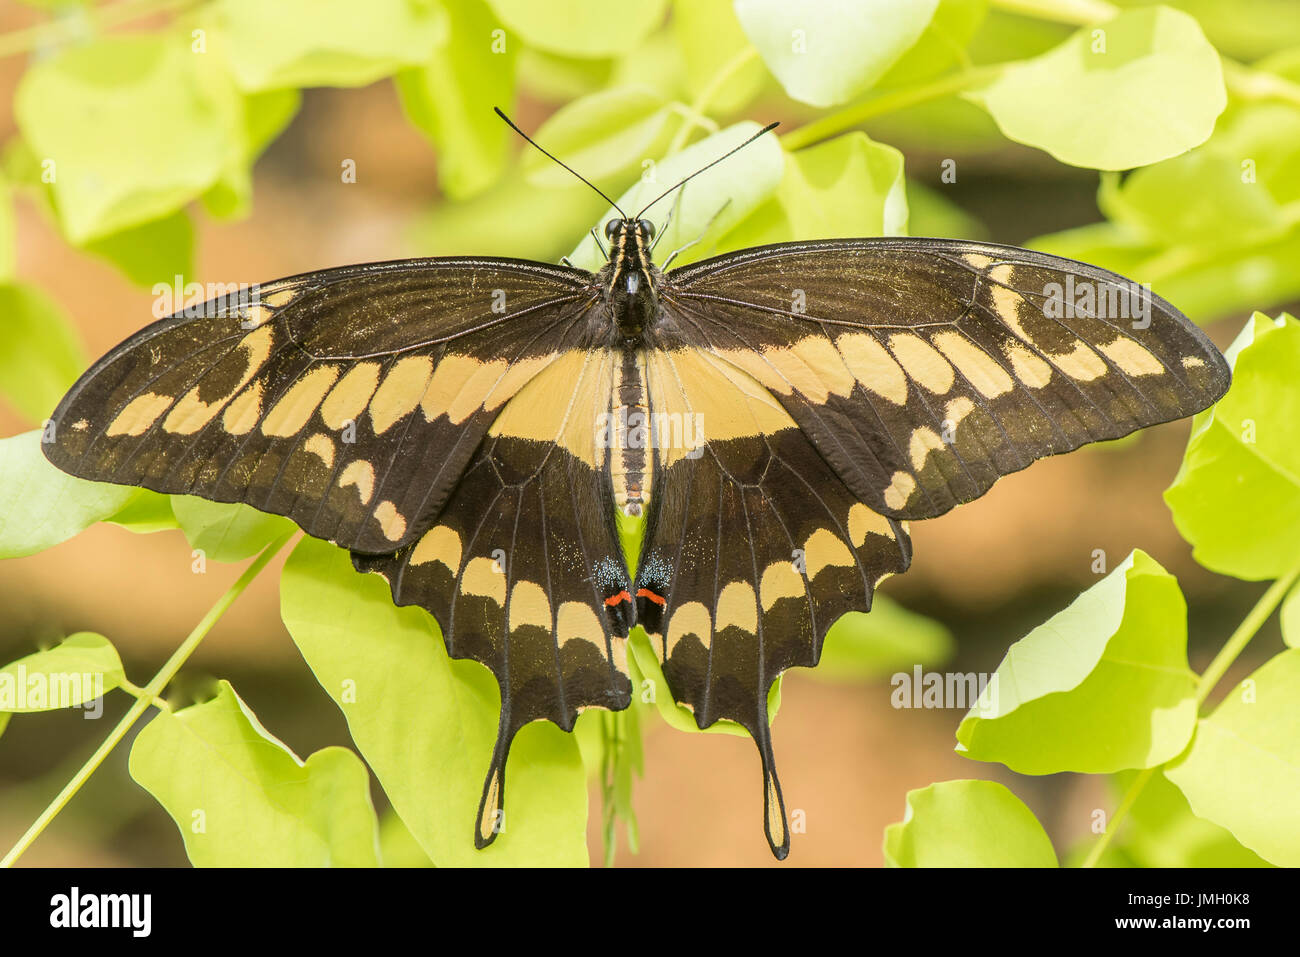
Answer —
611 229
647 229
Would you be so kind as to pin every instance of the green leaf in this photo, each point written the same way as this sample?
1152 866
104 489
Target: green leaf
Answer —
604 135
1243 768
1101 686
152 252
145 512
397 848
80 668
40 353
426 724
1236 497
450 99
559 79
581 28
115 90
41 506
241 798
226 532
710 205
889 637
848 186
967 824
710 38
324 42
4 721
1162 831
1137 89
941 46
827 52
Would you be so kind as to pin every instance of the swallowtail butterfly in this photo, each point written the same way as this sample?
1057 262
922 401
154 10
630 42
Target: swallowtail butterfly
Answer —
773 415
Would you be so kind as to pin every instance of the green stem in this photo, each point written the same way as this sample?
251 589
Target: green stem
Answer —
1245 631
857 114
1231 649
150 691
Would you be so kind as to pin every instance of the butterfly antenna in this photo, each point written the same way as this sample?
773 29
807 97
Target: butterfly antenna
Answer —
511 124
767 129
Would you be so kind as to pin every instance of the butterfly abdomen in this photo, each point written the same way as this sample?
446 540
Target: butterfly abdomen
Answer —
631 469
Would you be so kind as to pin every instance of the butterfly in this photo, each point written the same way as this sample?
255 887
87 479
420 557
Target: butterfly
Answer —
471 428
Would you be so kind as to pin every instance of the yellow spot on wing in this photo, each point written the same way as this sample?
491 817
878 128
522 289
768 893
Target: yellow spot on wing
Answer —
391 522
191 413
290 414
864 521
1132 358
438 544
321 446
400 392
780 580
1080 363
900 490
1029 367
575 619
980 369
481 578
529 606
691 618
348 399
361 474
140 413
873 366
920 361
823 549
737 605
242 414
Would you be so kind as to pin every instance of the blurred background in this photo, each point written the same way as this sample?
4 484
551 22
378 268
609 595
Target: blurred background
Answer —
989 572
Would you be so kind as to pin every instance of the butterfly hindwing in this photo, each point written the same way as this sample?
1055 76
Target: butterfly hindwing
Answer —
522 561
349 400
923 370
754 548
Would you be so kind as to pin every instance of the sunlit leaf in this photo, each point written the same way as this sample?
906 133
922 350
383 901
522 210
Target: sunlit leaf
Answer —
226 532
1161 831
96 111
580 28
241 798
324 42
1243 768
450 99
967 824
426 724
826 52
1101 686
1137 89
40 354
78 669
41 506
1236 497
849 186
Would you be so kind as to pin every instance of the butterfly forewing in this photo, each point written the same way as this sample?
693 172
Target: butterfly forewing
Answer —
350 400
922 370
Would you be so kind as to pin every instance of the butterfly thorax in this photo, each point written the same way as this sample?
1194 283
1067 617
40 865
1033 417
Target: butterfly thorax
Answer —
630 279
